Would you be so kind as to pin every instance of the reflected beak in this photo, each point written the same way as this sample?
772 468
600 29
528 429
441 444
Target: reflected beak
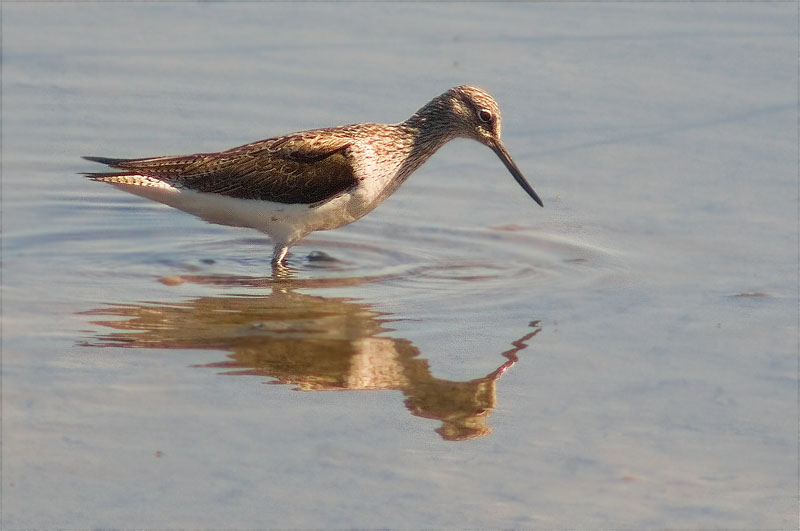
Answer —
500 149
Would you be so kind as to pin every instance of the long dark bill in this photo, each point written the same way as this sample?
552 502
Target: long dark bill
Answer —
500 149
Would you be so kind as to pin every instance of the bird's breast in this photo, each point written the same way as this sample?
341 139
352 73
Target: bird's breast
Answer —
378 173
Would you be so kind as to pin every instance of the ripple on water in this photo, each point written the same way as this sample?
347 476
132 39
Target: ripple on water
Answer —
427 256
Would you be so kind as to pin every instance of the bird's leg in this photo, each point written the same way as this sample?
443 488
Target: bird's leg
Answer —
279 269
279 253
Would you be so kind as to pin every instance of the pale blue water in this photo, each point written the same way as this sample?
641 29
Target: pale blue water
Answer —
625 357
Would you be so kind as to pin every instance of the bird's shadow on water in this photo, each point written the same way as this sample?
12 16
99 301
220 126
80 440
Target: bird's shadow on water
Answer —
311 342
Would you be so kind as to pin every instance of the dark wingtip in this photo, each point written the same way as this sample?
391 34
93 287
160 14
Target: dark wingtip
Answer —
104 160
103 176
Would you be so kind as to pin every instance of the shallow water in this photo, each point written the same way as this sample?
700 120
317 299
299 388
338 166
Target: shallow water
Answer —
624 357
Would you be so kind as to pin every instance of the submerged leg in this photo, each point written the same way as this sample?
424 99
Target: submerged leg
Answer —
279 252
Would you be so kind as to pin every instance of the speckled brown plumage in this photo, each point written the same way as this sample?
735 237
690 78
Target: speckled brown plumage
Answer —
300 168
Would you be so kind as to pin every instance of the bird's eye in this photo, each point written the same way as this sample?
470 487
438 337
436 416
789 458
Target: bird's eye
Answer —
485 116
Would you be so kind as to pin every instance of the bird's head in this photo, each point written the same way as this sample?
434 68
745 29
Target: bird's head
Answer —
474 113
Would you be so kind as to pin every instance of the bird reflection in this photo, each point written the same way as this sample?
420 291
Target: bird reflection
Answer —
313 343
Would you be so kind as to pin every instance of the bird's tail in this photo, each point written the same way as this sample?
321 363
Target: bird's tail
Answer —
126 176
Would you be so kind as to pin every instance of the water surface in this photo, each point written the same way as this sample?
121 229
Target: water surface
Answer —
624 357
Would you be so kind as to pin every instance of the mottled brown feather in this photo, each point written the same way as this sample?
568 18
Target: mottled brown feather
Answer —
302 168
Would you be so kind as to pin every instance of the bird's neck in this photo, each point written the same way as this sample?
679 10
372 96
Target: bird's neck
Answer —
430 127
433 124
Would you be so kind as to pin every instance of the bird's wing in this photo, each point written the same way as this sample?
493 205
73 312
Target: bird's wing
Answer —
301 168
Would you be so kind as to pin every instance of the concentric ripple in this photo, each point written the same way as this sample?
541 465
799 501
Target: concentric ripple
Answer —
423 256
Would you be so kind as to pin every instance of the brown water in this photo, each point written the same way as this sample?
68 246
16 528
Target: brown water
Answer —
624 357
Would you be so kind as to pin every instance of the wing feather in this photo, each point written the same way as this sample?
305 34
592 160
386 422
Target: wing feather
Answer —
301 168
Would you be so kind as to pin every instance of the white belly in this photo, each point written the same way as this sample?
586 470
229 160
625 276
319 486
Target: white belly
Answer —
284 223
